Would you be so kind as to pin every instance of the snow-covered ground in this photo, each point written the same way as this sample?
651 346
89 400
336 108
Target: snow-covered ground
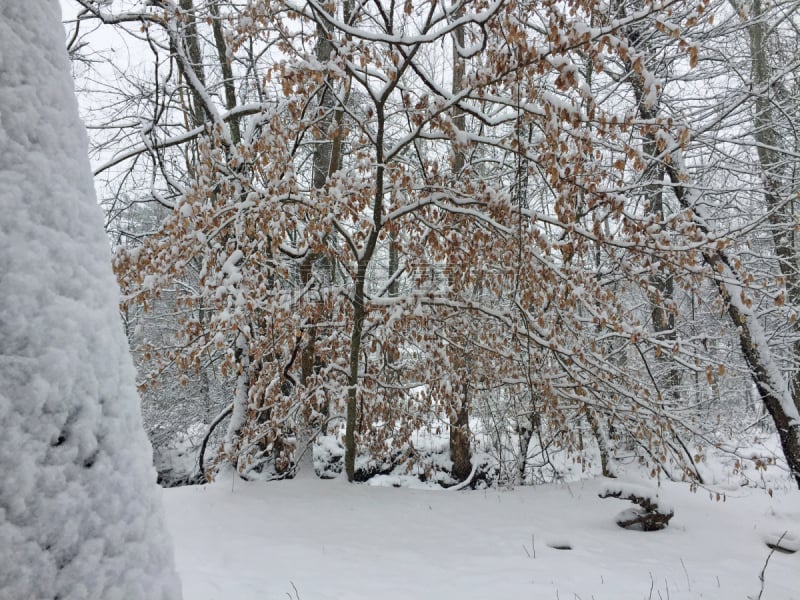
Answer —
309 539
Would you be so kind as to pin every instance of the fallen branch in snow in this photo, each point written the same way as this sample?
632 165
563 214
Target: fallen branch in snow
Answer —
467 481
648 517
201 467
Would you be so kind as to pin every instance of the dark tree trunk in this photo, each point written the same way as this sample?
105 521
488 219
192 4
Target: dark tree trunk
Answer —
460 448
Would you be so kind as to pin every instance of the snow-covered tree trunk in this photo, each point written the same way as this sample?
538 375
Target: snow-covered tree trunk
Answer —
778 167
772 384
80 515
460 438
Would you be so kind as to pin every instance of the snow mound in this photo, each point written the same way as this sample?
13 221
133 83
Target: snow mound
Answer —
785 541
623 489
650 513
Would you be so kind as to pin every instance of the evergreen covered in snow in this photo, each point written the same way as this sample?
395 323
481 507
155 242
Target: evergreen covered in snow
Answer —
80 516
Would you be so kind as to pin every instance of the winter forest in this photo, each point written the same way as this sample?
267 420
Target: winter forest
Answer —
359 231
515 258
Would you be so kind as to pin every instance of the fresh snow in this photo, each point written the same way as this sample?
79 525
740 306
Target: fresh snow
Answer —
310 539
626 489
80 515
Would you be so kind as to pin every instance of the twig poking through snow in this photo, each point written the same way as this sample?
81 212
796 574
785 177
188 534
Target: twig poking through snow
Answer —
762 575
296 593
533 547
688 583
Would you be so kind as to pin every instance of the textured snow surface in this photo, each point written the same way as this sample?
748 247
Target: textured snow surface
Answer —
80 516
334 541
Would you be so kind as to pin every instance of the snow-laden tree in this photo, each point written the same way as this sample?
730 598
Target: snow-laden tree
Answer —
735 174
469 179
80 516
510 204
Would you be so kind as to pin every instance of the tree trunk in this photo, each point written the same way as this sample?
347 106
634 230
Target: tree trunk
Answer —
195 61
772 385
460 438
460 448
226 69
359 310
241 400
779 189
662 287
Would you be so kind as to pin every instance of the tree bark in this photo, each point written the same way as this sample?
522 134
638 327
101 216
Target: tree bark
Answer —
661 280
227 70
195 60
460 438
359 308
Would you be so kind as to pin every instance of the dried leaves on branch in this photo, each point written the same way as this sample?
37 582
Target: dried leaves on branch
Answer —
385 215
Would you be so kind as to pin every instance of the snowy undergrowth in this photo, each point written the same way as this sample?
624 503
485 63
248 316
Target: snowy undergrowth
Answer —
332 540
